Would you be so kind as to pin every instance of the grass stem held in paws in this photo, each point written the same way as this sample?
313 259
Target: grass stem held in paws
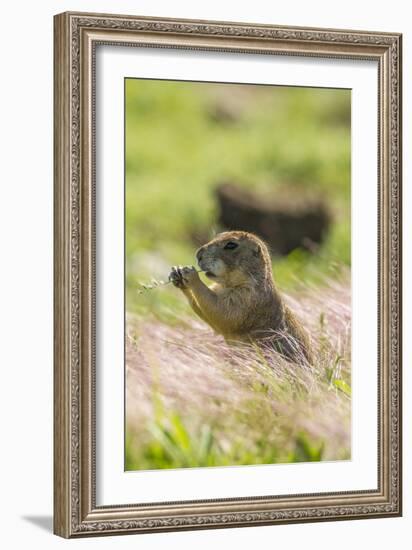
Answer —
144 287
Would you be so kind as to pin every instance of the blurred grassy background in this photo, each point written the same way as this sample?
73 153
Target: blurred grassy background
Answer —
183 138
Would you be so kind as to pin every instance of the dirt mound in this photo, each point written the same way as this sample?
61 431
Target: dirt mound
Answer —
283 219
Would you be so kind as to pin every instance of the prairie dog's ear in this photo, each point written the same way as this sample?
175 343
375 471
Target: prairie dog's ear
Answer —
257 249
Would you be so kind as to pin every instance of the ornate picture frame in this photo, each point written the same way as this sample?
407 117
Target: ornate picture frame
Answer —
76 36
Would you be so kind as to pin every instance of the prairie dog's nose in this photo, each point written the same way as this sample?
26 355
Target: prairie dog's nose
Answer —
199 253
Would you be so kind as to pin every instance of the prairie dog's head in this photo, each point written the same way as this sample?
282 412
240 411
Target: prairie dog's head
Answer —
234 258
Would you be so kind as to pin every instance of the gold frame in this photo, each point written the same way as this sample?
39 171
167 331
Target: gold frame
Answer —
75 38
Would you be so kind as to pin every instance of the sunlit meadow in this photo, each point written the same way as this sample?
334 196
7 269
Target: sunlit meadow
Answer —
191 399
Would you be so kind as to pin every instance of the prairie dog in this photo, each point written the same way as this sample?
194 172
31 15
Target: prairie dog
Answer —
243 303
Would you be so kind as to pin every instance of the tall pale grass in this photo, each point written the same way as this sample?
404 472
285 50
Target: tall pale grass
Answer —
194 400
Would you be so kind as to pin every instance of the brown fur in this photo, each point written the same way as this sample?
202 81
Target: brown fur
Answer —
243 303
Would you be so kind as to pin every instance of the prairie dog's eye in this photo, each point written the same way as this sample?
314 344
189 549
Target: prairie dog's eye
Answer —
230 246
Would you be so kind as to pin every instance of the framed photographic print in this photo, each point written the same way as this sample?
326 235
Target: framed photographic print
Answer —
227 274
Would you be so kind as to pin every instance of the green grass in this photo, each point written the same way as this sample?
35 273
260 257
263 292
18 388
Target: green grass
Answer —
171 445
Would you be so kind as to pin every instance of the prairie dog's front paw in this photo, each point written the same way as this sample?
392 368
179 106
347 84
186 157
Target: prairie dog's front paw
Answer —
176 278
190 275
183 277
